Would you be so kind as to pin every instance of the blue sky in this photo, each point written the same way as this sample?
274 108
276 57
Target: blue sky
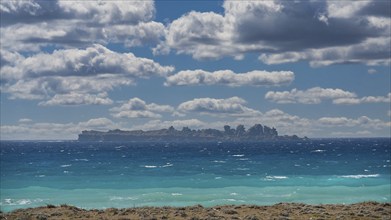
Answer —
311 68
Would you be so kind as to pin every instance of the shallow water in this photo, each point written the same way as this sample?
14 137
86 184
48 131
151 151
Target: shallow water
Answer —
102 175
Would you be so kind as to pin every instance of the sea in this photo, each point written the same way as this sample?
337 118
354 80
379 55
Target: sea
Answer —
98 175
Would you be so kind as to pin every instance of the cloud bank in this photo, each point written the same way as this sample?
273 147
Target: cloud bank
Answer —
316 95
229 78
322 32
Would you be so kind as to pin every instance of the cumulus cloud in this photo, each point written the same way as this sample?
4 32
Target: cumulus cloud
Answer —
365 99
74 76
310 96
363 122
137 108
229 78
78 99
94 60
316 95
323 32
30 25
233 106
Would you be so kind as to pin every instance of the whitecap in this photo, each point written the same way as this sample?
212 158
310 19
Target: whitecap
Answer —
113 198
243 159
218 177
168 165
272 178
66 165
238 155
318 151
359 176
219 161
19 202
176 194
83 159
150 166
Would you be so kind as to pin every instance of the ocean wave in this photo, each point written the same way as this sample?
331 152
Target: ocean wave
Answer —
19 201
318 151
83 159
360 176
176 194
150 166
66 165
114 198
168 165
273 178
238 155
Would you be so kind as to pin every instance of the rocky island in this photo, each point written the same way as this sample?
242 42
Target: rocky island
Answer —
257 132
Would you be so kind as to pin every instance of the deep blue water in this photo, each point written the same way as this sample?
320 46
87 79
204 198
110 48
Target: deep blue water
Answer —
124 174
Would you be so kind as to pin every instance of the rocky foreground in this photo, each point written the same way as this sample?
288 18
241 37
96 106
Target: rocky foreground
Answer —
366 210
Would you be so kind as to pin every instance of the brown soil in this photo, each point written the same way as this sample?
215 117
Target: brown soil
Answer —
366 210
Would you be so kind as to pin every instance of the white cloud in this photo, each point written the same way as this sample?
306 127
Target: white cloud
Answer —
78 99
310 96
316 95
372 51
178 124
361 122
137 108
365 99
74 76
233 106
94 60
229 78
25 120
53 131
372 71
324 32
30 25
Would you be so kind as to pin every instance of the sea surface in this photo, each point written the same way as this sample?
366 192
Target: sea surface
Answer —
133 174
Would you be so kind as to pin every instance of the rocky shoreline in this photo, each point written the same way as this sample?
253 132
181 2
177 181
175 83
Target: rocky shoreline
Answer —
365 210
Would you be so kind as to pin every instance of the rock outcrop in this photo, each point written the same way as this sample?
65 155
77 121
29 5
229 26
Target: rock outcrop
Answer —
255 133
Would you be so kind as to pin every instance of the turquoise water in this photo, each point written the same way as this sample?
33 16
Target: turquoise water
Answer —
102 175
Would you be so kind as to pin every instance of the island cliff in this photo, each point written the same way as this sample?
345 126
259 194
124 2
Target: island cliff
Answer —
254 133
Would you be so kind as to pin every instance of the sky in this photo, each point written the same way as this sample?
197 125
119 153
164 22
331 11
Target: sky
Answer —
310 68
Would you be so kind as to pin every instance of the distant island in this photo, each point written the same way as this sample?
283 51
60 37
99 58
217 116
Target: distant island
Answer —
254 133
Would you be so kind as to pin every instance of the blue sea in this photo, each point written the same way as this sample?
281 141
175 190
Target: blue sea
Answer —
133 174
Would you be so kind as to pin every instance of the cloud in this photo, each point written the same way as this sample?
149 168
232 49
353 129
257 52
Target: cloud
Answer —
137 108
371 51
322 32
178 124
74 76
25 120
53 131
233 106
30 25
310 96
229 78
316 95
363 122
365 99
94 60
78 99
372 71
